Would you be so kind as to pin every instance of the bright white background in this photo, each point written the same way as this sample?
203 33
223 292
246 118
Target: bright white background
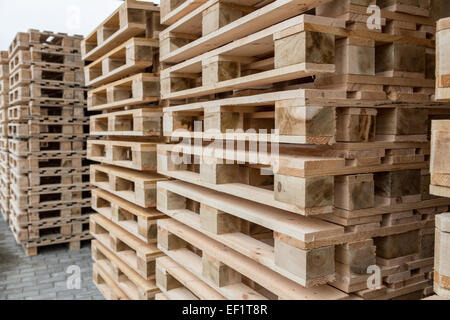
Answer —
68 16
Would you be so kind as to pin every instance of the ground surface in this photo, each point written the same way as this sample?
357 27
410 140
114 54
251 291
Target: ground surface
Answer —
43 277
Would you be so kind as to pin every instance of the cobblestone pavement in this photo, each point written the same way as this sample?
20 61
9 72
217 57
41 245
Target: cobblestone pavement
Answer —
43 277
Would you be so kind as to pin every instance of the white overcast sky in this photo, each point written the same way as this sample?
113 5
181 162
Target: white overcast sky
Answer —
68 16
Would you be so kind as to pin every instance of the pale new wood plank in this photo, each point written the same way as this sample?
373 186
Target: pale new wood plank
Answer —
304 229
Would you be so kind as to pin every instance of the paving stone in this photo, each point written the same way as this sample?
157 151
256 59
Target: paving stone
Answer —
43 276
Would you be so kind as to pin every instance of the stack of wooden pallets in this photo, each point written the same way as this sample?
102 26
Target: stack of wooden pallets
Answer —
338 198
47 131
122 57
4 154
440 165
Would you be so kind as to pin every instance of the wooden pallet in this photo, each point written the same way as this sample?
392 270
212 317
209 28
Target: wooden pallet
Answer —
146 122
405 259
137 187
177 283
74 242
32 111
31 146
183 39
55 160
46 92
401 71
191 205
48 227
248 228
298 174
133 56
64 211
138 89
231 274
296 117
25 40
133 284
136 220
61 178
49 127
44 57
137 254
50 199
237 65
132 19
107 286
133 155
69 76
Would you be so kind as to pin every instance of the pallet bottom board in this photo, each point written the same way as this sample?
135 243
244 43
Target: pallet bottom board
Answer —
74 243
